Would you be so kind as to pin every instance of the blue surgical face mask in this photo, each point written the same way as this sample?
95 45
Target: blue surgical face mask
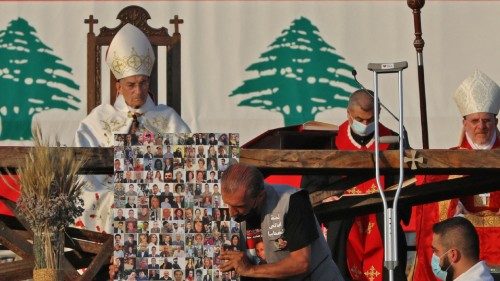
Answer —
362 129
436 267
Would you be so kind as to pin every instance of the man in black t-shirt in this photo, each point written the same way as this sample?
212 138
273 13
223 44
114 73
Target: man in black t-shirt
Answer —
282 218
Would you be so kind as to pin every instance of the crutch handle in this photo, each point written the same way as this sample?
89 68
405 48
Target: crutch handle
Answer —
388 67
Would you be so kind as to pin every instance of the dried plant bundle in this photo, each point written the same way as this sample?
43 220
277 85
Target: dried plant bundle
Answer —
50 196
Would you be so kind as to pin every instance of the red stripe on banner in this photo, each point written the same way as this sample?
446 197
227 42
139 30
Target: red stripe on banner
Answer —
9 189
292 180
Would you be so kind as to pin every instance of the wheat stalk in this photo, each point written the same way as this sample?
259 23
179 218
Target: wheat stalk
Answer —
50 196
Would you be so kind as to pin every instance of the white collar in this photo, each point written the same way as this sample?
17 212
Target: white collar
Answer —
479 271
120 105
487 146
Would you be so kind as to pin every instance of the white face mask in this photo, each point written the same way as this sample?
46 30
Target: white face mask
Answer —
362 129
436 267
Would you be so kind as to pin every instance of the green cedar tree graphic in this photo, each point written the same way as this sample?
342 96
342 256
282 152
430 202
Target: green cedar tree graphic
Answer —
32 80
299 76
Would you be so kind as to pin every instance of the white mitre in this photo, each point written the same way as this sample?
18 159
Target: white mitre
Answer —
130 53
477 93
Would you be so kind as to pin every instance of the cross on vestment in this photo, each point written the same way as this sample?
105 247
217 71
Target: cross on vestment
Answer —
372 273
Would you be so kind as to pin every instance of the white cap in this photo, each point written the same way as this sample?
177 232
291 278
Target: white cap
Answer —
130 53
477 93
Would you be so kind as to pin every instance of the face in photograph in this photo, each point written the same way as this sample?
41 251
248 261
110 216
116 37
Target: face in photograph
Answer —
200 176
166 214
168 176
118 165
189 214
155 202
234 139
190 177
223 139
212 152
198 227
131 227
201 164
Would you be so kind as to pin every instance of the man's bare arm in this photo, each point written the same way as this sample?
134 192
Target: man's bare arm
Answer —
296 263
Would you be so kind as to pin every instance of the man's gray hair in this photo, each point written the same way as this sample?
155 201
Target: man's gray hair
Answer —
242 176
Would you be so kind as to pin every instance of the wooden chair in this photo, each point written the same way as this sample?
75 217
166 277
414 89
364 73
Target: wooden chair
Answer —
92 250
158 37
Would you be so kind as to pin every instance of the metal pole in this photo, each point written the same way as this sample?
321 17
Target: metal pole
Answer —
390 214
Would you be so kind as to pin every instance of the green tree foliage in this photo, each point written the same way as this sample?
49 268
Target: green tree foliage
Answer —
32 79
299 76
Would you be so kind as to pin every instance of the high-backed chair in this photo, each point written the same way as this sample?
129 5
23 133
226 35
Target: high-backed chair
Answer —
157 36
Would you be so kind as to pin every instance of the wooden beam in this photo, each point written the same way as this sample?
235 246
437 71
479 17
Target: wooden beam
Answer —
9 239
434 161
100 160
84 234
412 195
336 188
275 161
17 270
99 260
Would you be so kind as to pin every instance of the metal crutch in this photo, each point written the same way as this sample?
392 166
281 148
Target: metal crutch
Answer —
390 214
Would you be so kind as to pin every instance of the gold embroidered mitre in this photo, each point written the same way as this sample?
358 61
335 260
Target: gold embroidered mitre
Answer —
130 53
477 93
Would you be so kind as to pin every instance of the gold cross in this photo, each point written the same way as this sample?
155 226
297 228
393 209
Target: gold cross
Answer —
356 272
353 190
372 273
372 189
413 160
370 227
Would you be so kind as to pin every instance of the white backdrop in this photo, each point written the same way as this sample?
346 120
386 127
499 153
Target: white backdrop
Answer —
222 38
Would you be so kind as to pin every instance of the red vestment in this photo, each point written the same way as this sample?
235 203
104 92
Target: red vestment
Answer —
482 213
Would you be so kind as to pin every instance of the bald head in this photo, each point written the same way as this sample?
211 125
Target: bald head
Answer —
361 98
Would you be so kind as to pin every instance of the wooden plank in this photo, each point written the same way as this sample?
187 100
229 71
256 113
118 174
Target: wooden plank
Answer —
100 159
83 246
336 188
9 238
99 260
412 195
70 272
12 207
84 234
275 161
16 270
435 161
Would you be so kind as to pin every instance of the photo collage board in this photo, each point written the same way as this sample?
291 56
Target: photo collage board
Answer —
169 218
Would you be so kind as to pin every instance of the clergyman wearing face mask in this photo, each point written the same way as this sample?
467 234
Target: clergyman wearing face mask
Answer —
344 236
360 118
455 257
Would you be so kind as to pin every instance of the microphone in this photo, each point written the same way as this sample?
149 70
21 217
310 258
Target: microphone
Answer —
406 143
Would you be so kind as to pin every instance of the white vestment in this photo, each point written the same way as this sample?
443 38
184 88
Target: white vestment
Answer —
97 130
